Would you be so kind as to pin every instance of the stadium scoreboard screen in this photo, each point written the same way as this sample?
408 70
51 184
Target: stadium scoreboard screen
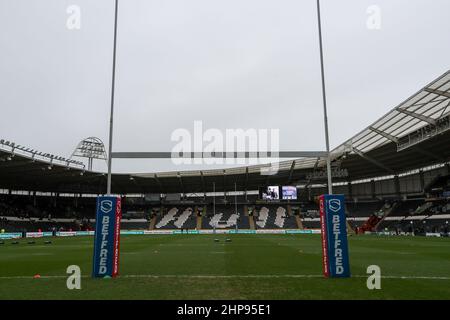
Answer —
270 193
289 192
278 193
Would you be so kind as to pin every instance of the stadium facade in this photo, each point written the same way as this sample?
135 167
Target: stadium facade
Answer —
395 175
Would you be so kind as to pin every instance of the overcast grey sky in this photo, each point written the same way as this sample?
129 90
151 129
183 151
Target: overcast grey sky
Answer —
232 64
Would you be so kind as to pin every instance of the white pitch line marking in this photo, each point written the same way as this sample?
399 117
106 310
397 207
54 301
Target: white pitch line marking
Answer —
234 276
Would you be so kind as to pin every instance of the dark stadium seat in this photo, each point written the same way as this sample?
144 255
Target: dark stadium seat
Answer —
274 217
177 218
363 209
134 225
225 217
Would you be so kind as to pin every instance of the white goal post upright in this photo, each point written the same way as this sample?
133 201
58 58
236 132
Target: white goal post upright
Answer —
324 97
111 122
236 206
111 116
214 202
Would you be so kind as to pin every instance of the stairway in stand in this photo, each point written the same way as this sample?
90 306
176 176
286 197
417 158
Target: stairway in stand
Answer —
299 222
386 212
369 225
251 222
199 218
350 230
152 223
297 217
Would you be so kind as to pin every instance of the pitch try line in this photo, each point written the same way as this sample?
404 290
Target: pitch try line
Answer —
234 276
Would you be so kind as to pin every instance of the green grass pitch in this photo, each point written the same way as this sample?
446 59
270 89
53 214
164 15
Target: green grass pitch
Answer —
249 267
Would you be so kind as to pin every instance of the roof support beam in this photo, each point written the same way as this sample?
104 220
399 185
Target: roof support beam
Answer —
291 171
384 134
267 179
373 161
428 153
316 164
181 182
246 179
438 92
159 183
135 182
418 116
224 185
308 183
203 183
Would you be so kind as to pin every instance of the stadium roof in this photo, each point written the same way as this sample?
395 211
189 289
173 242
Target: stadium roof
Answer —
425 107
413 135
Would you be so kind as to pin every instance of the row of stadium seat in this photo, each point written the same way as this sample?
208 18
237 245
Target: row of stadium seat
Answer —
263 216
226 217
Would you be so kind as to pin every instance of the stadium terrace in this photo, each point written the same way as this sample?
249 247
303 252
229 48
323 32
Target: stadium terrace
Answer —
397 177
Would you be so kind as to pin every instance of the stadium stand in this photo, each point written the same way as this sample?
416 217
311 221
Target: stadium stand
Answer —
135 225
21 213
363 209
311 223
12 224
225 217
395 175
407 207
